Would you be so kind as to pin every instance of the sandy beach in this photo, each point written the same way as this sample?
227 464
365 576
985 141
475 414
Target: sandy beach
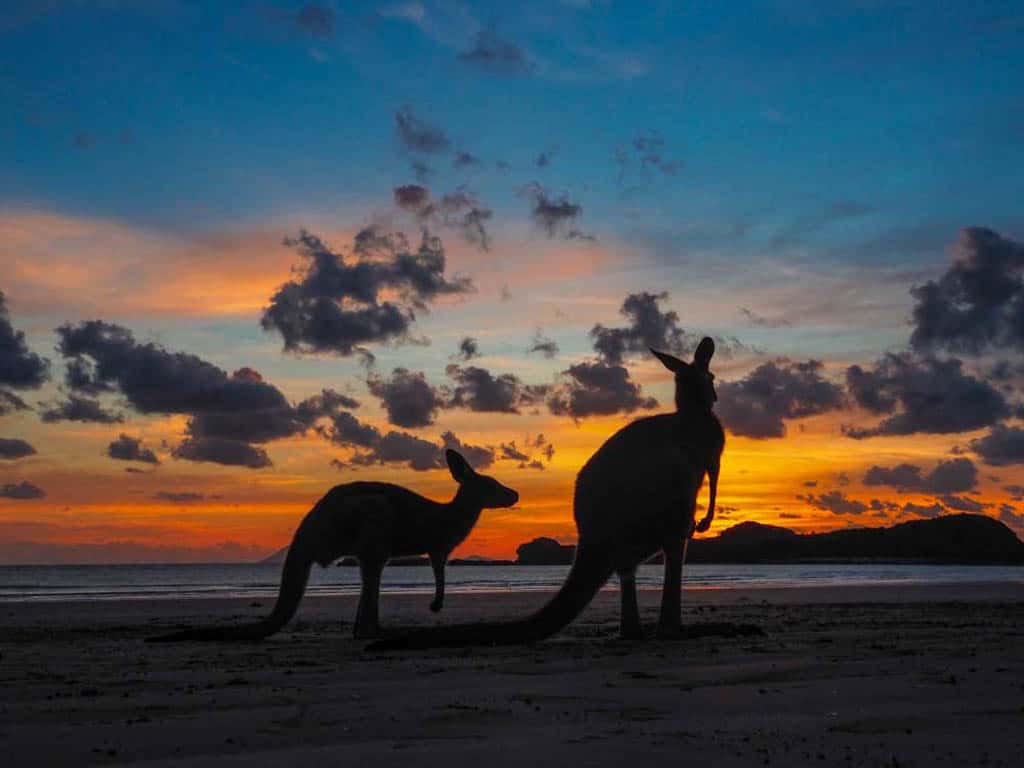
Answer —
911 675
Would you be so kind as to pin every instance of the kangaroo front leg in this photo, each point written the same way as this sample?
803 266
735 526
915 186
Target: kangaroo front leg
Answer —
670 619
438 563
630 627
367 622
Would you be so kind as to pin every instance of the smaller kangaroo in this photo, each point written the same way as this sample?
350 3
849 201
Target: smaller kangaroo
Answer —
635 496
373 522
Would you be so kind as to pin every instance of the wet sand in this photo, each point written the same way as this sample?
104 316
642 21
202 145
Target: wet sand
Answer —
894 676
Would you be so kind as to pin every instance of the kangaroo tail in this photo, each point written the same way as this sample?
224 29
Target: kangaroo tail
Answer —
294 576
584 580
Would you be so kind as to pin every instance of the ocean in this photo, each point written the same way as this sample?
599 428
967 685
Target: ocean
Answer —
132 582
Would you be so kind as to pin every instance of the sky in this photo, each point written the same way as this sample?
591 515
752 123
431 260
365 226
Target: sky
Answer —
249 251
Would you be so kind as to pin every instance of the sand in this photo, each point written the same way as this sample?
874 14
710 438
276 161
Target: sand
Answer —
889 676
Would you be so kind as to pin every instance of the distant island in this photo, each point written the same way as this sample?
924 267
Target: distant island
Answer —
950 539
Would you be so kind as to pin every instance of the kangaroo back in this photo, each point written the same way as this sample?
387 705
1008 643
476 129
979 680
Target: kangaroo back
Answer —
585 578
294 576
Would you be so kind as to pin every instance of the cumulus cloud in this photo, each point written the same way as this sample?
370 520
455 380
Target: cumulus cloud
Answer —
542 345
128 448
836 502
22 491
923 510
478 456
83 409
11 402
948 477
758 404
923 394
1001 447
336 305
468 349
531 455
497 55
227 413
596 388
479 390
13 448
977 303
458 210
20 368
417 135
555 216
409 399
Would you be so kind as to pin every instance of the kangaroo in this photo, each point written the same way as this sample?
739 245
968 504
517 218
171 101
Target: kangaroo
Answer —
373 522
636 495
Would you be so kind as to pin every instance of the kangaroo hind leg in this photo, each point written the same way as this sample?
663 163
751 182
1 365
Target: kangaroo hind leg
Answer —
670 619
630 627
367 618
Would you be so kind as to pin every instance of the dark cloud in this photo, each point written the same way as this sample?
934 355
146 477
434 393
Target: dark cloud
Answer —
19 367
178 497
758 404
596 388
647 153
760 321
128 448
13 448
220 451
421 171
510 452
408 398
544 159
11 402
337 307
1016 491
417 135
479 390
402 448
22 491
1011 517
84 140
83 409
952 476
497 55
412 197
962 503
1001 447
478 456
923 510
923 395
458 210
468 349
316 20
835 502
543 345
978 303
555 217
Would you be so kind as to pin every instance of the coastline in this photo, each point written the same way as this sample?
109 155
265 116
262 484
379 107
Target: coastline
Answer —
916 674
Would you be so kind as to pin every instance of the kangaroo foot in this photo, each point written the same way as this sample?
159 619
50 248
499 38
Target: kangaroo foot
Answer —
631 633
366 632
436 605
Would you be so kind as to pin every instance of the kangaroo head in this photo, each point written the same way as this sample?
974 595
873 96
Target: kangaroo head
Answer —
695 384
481 490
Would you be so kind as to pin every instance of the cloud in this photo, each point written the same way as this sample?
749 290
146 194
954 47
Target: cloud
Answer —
524 456
11 402
835 502
977 303
923 395
596 388
808 225
1001 447
465 159
962 504
760 321
336 306
545 158
1011 517
408 398
458 210
468 349
948 477
647 152
20 368
923 510
479 390
21 491
494 54
417 135
220 451
128 448
478 456
758 404
179 497
555 217
82 409
13 448
543 345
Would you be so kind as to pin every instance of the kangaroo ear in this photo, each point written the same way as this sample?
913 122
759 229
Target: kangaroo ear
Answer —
706 348
457 465
674 364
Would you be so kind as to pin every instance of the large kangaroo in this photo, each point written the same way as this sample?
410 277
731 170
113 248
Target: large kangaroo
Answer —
373 522
636 495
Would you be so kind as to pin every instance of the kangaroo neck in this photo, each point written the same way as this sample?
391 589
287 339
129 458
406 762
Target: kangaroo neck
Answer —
460 514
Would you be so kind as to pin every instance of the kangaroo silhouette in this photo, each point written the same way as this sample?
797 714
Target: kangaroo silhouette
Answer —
636 495
373 522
